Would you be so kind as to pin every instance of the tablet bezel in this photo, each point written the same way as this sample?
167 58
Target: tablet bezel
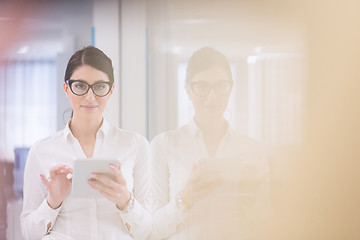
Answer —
82 170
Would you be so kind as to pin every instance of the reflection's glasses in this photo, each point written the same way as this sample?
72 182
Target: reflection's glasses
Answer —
202 89
79 87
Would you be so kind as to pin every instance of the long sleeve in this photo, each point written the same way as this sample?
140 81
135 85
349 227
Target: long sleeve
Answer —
165 215
37 217
139 218
87 218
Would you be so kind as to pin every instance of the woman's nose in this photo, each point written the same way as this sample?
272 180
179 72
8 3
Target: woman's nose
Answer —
211 95
90 95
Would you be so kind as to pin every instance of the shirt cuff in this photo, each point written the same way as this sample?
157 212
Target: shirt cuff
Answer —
166 220
133 215
136 217
49 214
178 214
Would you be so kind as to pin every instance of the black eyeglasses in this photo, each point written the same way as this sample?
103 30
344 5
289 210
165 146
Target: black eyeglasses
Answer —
80 87
202 89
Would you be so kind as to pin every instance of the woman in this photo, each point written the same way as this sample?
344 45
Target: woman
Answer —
49 212
204 174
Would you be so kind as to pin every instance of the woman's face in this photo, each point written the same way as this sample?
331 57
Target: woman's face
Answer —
209 92
88 105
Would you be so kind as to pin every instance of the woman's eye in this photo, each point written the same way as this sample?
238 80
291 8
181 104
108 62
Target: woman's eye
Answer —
223 85
100 86
201 86
80 86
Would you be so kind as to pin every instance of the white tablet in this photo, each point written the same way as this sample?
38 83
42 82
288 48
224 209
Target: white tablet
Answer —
229 168
82 170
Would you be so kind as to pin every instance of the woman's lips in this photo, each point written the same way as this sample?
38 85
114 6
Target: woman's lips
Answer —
89 107
212 106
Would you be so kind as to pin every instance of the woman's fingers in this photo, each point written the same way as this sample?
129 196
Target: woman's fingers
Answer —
117 171
116 195
204 181
44 180
59 169
63 169
52 171
102 178
104 183
207 184
108 196
203 190
99 185
55 171
114 190
206 175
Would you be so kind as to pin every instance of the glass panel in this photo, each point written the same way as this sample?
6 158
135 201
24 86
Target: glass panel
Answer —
222 141
265 48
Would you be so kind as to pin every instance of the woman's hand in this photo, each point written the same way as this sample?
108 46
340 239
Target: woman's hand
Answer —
114 190
201 183
58 185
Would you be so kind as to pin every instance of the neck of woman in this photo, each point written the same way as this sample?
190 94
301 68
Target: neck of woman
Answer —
85 129
214 127
213 130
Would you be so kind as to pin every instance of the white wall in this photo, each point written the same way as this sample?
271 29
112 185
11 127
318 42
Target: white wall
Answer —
106 22
133 94
76 21
104 17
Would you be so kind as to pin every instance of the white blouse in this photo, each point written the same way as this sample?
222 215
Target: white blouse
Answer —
227 213
87 218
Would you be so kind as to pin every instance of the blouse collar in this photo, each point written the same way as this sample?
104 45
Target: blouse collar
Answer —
103 130
196 131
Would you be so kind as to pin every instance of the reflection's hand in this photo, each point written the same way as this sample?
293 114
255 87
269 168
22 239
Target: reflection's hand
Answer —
201 183
114 190
59 186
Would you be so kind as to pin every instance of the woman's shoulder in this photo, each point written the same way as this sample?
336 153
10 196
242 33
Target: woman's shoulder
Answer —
127 134
169 136
49 140
47 145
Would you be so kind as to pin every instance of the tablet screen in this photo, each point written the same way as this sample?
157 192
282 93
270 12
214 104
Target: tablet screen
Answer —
82 170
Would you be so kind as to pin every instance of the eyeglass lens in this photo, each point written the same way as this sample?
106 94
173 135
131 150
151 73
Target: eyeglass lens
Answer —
80 88
220 88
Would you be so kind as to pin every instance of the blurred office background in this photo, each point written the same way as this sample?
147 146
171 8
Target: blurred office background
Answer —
295 90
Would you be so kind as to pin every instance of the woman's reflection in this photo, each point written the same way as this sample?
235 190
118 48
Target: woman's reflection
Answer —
209 181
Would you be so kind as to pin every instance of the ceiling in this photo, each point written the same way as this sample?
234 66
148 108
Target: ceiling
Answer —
239 28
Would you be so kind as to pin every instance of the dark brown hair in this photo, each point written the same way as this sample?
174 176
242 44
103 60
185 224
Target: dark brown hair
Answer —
205 58
93 57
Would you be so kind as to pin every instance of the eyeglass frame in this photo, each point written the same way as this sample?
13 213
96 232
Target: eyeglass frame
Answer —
71 81
211 87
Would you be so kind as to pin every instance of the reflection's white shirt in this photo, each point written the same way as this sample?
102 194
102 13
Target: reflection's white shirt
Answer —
223 215
87 218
